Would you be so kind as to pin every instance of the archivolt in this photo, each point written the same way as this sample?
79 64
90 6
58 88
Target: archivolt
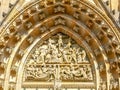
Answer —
79 20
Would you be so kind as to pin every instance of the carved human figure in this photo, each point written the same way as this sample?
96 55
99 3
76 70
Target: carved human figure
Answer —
81 56
48 58
76 72
38 73
60 58
50 44
73 55
67 56
60 42
30 71
68 44
37 56
51 72
88 72
65 72
43 51
83 72
44 68
67 52
72 71
52 56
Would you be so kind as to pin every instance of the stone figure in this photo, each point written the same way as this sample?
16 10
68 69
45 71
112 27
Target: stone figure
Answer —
60 41
57 59
74 55
81 56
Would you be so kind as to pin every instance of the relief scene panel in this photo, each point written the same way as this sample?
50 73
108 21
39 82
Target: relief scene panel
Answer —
58 58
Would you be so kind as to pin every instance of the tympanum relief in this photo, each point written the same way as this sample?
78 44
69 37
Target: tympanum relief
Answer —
58 58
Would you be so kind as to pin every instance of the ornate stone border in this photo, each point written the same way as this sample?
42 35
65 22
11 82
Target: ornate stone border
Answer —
99 26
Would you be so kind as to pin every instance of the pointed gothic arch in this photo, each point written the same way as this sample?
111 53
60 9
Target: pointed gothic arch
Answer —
80 20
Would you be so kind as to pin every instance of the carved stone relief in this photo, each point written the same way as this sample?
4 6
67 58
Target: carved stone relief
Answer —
58 58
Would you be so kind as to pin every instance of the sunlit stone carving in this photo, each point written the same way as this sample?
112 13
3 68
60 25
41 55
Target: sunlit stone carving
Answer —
28 25
59 9
113 82
58 59
59 21
43 29
9 49
102 85
76 15
41 15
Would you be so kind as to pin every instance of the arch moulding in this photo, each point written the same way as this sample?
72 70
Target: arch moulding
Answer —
79 20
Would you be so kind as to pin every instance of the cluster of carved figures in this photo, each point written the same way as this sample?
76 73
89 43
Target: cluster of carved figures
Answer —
59 58
55 51
60 72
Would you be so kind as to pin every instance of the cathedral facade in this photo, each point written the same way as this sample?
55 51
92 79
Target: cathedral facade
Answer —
59 44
